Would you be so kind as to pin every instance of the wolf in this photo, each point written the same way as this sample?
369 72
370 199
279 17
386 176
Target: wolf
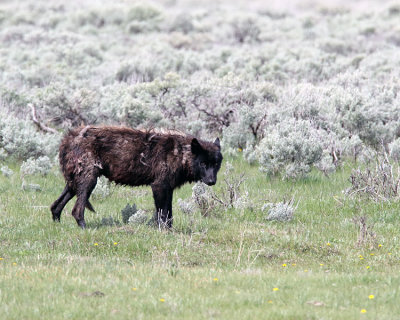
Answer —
164 160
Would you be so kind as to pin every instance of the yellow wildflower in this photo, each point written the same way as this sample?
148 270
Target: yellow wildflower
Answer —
275 289
363 311
162 300
371 296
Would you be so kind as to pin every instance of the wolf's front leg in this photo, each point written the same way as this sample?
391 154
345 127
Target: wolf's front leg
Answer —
163 201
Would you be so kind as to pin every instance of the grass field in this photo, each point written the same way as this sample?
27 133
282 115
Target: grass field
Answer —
233 264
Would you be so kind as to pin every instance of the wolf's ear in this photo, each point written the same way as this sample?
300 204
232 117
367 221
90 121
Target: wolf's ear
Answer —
216 142
196 147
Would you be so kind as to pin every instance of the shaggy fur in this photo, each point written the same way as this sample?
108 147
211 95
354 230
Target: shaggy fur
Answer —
164 160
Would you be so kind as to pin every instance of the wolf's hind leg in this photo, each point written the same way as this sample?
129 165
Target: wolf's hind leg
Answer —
60 203
83 193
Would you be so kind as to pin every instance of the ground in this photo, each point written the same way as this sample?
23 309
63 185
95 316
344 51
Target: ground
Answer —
232 264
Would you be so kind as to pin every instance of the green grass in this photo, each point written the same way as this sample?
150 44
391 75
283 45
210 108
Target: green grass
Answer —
224 266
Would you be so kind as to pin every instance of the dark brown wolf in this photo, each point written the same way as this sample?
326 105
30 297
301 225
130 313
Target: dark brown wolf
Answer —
163 160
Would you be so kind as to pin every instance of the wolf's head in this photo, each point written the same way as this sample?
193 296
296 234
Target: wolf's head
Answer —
207 160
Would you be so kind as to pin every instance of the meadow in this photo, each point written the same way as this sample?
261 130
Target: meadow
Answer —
231 264
303 222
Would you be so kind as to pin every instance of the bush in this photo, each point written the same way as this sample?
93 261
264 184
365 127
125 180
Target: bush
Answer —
231 194
187 207
243 76
102 189
202 197
248 129
143 13
64 107
139 217
143 18
109 221
128 212
6 171
20 140
183 23
245 30
380 182
41 165
118 104
293 147
281 211
31 186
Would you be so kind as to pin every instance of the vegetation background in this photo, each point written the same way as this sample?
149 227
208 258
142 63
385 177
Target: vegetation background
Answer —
303 223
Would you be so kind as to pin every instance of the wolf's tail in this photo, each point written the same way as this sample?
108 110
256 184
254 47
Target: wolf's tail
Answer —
89 206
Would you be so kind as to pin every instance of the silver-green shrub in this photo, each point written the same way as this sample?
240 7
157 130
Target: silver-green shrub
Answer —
245 30
20 139
292 147
143 18
202 198
139 217
128 212
239 74
31 166
3 154
102 189
31 186
6 171
326 164
65 107
186 206
379 180
281 211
